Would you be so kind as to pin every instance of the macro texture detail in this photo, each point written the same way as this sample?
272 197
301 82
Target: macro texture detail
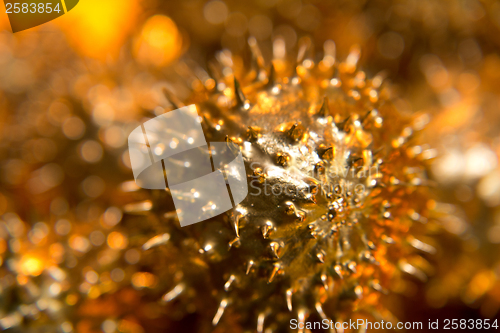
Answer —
338 211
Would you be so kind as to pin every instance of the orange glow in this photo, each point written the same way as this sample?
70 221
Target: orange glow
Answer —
117 241
31 265
22 279
159 42
99 28
143 280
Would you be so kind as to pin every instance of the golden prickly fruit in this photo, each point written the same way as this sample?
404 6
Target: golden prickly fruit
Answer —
336 207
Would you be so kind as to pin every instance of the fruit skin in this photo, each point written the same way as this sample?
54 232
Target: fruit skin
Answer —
329 244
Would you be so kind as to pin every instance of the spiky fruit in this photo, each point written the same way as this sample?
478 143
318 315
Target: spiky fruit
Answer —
338 207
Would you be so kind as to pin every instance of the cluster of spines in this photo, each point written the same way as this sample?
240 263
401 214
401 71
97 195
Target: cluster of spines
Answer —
293 134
